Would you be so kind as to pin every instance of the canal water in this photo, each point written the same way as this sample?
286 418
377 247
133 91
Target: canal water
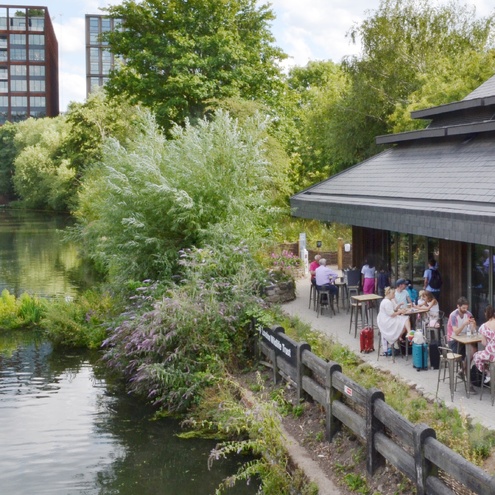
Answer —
65 429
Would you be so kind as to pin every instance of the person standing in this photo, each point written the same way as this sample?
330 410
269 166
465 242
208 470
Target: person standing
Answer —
432 280
368 277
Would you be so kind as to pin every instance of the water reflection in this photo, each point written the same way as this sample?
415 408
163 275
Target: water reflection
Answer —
64 430
33 257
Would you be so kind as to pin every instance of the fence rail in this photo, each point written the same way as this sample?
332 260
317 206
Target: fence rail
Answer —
412 448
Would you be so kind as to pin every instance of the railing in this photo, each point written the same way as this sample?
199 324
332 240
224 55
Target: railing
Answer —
412 449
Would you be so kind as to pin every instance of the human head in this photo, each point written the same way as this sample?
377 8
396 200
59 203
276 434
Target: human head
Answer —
462 304
422 294
323 262
489 312
428 295
317 257
400 284
432 262
389 292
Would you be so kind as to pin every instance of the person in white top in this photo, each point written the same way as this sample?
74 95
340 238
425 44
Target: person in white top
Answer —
368 278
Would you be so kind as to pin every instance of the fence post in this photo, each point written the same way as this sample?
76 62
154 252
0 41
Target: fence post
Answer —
373 426
340 253
424 467
332 394
303 346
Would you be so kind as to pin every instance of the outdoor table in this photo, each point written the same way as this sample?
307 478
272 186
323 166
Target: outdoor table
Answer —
415 311
342 286
468 339
364 298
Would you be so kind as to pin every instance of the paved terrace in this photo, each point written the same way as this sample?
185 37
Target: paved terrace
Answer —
337 327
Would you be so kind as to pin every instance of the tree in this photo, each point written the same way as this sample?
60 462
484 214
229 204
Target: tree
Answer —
415 54
180 53
209 183
8 153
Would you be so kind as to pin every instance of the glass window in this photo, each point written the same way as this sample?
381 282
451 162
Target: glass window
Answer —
37 85
36 24
419 260
36 54
18 70
95 82
94 67
37 101
4 88
18 54
4 72
19 101
36 70
18 85
105 24
3 18
93 23
480 280
3 41
18 39
106 67
37 39
4 101
3 55
18 23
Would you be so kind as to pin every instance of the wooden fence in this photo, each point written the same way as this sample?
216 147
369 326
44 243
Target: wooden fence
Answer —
412 449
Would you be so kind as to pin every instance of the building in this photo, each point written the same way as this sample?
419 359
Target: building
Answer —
431 193
28 64
99 60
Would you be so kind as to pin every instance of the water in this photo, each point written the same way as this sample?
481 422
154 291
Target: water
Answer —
34 258
65 431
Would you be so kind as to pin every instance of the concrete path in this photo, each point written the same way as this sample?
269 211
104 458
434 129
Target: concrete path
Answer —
425 381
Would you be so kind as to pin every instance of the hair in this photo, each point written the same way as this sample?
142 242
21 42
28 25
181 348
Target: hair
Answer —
462 301
323 261
317 257
370 262
489 312
388 290
432 261
422 293
429 296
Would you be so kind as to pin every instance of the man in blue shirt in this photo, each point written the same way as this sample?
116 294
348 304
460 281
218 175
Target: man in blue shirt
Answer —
428 275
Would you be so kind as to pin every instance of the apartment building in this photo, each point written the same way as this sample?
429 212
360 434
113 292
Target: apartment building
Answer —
99 60
28 64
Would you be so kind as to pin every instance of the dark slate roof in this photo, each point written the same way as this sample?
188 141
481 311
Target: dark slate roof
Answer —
442 188
484 91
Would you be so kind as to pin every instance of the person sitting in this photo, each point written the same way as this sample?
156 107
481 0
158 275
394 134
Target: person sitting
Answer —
411 291
487 331
401 295
421 299
325 277
391 320
433 309
313 266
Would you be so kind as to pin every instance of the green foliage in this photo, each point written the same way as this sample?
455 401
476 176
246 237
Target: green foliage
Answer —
209 49
80 322
25 311
211 183
8 153
41 179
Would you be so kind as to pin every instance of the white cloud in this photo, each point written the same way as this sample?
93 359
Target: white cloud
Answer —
72 88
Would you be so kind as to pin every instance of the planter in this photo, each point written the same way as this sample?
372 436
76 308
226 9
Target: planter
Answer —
280 292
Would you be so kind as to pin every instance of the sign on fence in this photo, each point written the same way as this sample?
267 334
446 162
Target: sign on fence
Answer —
282 346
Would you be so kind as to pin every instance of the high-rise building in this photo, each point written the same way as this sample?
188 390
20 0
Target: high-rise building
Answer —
99 60
28 64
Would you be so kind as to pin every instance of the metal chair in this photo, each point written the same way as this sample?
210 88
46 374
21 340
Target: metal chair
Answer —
453 362
490 366
324 299
356 313
352 279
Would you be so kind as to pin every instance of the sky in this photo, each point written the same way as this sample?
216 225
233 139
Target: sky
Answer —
305 29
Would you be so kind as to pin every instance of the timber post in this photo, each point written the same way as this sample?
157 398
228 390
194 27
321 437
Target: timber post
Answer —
374 459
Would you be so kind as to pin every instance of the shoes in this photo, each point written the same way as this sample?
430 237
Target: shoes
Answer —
472 390
461 376
486 380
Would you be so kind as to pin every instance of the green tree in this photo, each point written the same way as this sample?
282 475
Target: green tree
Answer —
414 54
41 180
8 152
211 182
179 54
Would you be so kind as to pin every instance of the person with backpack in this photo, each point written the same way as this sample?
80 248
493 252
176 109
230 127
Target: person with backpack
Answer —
432 279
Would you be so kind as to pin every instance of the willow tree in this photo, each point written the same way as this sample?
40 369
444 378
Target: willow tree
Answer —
180 53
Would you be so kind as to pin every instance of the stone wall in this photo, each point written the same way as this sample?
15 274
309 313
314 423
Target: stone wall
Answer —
280 292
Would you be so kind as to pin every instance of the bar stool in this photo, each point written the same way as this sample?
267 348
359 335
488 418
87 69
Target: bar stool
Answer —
324 299
356 314
453 362
488 365
313 294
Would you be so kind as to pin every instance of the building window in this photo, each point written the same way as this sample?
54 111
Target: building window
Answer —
18 85
37 39
19 101
4 72
36 70
18 39
3 41
36 54
4 88
18 23
18 54
95 68
3 55
4 102
37 102
37 85
36 24
18 70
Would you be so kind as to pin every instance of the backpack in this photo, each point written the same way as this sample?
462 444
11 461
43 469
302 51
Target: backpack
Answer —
435 279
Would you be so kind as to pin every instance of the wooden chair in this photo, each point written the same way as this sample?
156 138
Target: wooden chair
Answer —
452 362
